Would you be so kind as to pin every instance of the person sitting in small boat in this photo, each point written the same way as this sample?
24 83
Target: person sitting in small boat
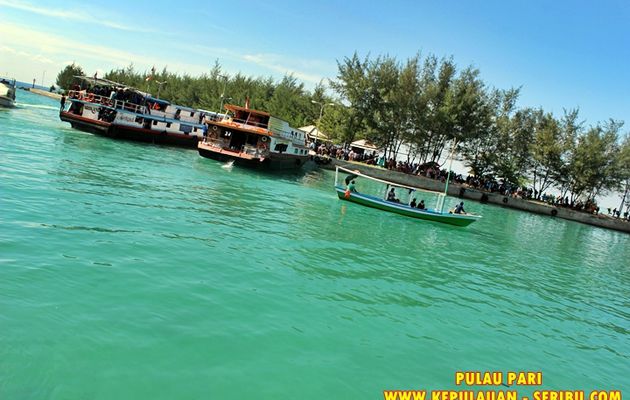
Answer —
459 209
351 187
391 196
413 203
421 205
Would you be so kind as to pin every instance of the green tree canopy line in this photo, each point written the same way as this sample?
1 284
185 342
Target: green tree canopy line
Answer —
286 99
428 104
65 78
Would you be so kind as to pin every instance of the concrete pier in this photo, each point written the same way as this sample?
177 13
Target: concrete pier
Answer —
462 191
45 93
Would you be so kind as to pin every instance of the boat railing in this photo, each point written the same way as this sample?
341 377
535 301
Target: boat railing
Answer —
217 142
290 135
224 145
252 151
106 101
7 81
246 124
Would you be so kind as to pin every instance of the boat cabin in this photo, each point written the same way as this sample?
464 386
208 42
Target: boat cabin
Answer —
247 116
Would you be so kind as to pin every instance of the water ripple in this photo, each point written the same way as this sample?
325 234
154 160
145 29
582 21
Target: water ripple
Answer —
126 263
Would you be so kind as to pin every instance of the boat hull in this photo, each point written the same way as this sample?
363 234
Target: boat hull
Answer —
85 124
274 161
116 131
154 136
6 102
402 209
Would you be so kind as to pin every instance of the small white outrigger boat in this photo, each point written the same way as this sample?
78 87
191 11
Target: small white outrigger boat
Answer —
436 214
7 93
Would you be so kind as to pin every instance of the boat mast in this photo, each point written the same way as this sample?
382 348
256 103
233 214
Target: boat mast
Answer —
448 175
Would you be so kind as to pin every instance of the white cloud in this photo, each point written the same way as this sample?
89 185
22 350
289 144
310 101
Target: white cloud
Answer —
42 59
25 54
63 48
58 49
273 62
41 51
69 15
7 49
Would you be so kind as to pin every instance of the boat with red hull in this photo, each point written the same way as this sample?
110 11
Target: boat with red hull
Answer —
130 114
254 139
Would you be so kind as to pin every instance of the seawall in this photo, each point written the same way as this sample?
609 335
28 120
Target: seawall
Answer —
45 93
465 192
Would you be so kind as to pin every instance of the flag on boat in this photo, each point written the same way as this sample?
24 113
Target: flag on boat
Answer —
149 77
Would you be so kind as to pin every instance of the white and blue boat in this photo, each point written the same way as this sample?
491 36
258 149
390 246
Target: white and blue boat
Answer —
7 92
111 109
436 214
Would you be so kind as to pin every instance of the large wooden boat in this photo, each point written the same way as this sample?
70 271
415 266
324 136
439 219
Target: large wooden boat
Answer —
7 93
110 109
403 208
255 139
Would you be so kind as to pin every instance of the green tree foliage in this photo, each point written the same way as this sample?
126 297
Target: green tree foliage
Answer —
481 150
547 150
425 103
593 162
623 164
439 118
286 99
515 135
65 78
352 85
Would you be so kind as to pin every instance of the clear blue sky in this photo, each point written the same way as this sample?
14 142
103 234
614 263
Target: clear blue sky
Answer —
563 54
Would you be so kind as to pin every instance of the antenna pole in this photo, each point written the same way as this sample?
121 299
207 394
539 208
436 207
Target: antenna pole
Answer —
448 176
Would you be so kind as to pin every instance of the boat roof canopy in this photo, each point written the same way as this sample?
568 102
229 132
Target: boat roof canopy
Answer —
100 81
358 173
232 107
184 108
364 144
159 101
106 82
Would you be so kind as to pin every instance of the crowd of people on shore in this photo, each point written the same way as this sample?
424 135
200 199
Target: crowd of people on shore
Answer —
432 170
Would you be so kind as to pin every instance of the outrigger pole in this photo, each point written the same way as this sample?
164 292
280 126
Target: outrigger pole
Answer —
448 175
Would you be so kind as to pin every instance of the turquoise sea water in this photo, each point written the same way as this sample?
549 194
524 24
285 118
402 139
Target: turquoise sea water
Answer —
132 271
